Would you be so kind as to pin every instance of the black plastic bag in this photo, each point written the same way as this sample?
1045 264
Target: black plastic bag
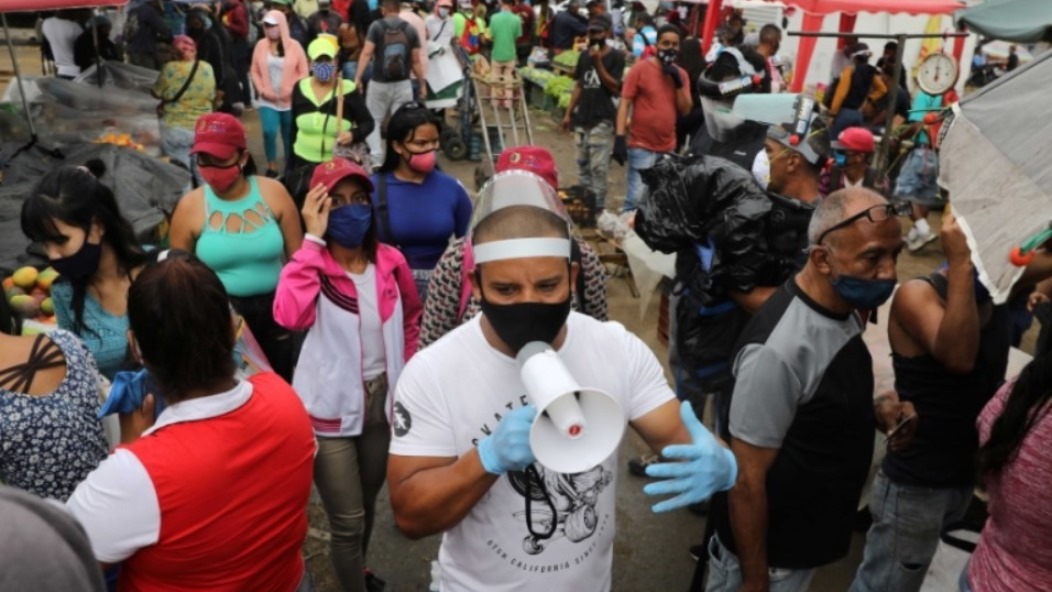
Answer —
693 199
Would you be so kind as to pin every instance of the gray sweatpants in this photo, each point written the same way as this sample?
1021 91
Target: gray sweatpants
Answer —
382 99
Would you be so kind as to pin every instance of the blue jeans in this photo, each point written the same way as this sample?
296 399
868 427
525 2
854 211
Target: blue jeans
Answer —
638 159
272 121
843 120
350 70
907 522
725 574
963 583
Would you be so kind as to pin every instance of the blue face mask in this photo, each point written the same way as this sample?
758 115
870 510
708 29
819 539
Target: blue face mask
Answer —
324 71
839 159
863 293
348 225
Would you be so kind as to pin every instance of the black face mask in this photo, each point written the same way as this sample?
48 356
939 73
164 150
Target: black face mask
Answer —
597 43
520 323
81 264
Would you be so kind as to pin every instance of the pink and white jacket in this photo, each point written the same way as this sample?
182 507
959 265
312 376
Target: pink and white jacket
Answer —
315 293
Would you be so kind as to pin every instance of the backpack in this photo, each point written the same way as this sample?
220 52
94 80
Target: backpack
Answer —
394 52
471 38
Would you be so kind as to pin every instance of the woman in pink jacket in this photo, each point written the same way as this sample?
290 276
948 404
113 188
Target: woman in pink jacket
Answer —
357 300
278 63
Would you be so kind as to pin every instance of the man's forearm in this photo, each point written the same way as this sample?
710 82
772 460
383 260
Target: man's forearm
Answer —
957 341
748 513
606 79
622 117
434 500
683 101
418 69
575 96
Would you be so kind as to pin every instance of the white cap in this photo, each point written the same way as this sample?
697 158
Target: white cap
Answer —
269 20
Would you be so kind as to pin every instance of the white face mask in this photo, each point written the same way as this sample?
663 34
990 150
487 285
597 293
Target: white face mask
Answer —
443 11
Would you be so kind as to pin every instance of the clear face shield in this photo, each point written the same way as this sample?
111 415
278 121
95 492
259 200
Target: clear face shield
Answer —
516 188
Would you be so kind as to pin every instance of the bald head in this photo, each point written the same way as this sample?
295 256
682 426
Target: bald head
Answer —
519 222
839 206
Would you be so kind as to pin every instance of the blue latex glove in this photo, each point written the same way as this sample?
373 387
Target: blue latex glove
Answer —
705 467
128 391
508 447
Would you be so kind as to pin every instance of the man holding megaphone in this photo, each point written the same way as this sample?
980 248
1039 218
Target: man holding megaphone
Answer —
498 446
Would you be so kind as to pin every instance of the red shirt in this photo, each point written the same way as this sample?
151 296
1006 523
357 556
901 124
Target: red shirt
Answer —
653 96
233 493
525 13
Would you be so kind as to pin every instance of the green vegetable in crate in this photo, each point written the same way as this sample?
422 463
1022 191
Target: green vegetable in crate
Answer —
559 85
567 58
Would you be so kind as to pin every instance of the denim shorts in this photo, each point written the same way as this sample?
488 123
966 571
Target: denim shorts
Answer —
917 179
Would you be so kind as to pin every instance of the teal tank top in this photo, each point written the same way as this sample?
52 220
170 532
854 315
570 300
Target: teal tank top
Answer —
242 242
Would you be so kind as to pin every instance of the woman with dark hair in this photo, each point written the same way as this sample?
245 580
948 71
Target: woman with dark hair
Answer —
243 227
278 63
357 301
95 251
225 468
46 383
418 208
1014 553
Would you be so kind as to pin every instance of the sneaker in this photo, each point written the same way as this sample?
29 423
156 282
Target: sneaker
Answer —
638 466
911 235
920 241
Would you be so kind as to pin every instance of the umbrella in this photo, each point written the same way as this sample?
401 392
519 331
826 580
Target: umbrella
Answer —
1023 21
996 162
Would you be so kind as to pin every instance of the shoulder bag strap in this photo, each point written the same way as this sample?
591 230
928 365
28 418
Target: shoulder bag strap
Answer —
186 85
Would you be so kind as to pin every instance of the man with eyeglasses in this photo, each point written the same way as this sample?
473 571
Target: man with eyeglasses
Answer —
801 414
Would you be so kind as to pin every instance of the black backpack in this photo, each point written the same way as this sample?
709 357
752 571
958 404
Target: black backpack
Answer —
394 53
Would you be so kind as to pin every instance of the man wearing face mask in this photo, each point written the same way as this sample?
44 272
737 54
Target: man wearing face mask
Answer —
655 90
324 21
461 461
801 415
852 152
593 108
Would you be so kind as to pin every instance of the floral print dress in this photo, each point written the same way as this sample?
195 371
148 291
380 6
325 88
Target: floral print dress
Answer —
49 443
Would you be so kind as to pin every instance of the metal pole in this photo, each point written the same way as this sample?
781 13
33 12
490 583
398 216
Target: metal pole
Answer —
881 161
18 79
95 38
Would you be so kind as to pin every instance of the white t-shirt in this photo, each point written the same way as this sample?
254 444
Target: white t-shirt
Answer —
453 394
276 69
374 360
62 34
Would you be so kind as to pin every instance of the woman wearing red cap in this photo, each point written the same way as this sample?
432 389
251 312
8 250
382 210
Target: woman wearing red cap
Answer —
356 299
242 226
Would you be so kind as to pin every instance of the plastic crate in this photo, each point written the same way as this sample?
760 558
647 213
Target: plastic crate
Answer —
580 204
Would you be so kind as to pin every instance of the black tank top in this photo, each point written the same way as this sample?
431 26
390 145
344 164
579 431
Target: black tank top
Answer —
943 450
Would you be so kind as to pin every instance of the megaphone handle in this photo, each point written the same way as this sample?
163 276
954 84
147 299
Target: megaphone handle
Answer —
531 476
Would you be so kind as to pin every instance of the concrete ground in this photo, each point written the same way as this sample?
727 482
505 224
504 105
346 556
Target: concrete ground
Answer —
650 550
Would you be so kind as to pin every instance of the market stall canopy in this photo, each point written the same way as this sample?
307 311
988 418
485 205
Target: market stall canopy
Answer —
35 5
1022 21
815 12
996 163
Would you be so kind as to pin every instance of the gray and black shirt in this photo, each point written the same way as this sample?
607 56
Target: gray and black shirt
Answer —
804 386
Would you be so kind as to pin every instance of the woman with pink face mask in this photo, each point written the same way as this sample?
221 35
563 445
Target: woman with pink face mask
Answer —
418 208
278 63
244 227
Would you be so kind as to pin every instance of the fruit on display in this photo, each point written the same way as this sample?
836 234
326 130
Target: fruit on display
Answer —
120 139
28 291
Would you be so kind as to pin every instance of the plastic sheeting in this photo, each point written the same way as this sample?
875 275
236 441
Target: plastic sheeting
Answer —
146 189
67 112
694 199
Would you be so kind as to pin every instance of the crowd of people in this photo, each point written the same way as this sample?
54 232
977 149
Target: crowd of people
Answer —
389 308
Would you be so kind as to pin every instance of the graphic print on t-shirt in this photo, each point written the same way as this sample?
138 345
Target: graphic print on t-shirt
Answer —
554 507
403 422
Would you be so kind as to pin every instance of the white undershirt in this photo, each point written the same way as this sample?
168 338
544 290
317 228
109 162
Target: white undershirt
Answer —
62 35
374 360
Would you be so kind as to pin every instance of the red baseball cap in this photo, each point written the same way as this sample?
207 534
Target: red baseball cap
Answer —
855 139
532 159
220 135
331 173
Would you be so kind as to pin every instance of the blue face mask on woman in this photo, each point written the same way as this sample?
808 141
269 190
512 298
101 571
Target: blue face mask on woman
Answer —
324 71
348 225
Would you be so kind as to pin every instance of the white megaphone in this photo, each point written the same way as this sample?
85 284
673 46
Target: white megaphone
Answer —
576 428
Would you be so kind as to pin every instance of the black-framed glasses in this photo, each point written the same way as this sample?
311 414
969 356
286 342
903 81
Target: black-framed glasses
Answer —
874 214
